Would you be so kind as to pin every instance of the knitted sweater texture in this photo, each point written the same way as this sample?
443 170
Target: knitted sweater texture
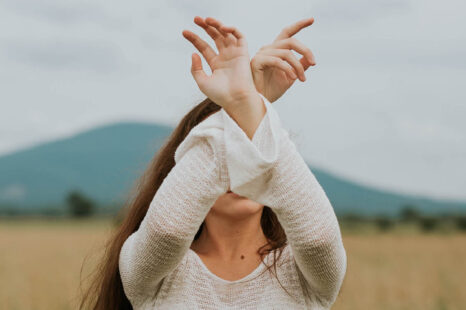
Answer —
160 271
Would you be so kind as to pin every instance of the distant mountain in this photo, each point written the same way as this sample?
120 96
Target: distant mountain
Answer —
104 162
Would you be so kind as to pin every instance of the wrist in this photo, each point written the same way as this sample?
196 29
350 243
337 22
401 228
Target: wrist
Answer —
269 98
244 105
248 113
263 93
239 98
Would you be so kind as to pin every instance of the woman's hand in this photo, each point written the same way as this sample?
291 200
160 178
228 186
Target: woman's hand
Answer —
231 83
275 67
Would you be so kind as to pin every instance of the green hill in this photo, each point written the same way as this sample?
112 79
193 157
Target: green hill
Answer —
104 162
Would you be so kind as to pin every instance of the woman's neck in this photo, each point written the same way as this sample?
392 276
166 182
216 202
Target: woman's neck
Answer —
228 239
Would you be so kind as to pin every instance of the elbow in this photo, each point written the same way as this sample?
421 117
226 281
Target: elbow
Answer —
327 262
336 274
126 270
136 285
145 260
330 247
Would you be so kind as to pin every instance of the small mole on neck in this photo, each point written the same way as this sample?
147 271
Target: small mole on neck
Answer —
242 256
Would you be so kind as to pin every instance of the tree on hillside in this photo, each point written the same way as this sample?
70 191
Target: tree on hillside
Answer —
461 222
428 223
383 222
79 205
409 213
352 217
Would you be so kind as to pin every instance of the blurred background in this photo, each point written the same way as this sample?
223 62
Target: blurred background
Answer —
89 90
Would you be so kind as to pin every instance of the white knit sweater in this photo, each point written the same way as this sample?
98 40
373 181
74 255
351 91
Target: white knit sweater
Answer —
160 271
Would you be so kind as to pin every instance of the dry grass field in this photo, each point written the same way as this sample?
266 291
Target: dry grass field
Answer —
40 264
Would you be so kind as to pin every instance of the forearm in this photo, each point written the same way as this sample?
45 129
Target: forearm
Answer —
270 170
248 113
307 216
173 218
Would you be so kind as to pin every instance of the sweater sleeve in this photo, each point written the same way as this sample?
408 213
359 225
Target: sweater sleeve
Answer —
174 215
290 189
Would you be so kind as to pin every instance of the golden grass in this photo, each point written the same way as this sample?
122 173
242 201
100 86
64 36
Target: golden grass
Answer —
40 261
404 272
40 265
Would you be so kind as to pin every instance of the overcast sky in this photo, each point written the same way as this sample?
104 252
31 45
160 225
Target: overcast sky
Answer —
385 105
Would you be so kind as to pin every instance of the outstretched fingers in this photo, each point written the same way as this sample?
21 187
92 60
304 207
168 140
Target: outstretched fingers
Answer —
233 30
293 29
211 31
229 38
285 40
202 46
271 61
290 58
294 44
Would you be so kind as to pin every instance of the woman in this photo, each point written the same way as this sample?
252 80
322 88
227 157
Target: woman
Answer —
227 198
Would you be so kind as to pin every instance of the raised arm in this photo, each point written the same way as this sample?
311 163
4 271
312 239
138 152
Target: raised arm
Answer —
309 221
173 218
291 190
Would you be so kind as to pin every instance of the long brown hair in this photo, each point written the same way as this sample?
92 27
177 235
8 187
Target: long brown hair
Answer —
106 290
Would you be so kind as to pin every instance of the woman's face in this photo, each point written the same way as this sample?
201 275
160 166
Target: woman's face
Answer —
235 206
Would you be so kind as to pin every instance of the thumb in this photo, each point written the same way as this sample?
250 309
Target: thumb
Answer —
196 69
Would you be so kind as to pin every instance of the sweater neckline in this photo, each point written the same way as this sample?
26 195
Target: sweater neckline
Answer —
214 276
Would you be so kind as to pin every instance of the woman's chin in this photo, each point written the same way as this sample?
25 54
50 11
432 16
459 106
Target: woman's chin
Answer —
237 207
235 195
